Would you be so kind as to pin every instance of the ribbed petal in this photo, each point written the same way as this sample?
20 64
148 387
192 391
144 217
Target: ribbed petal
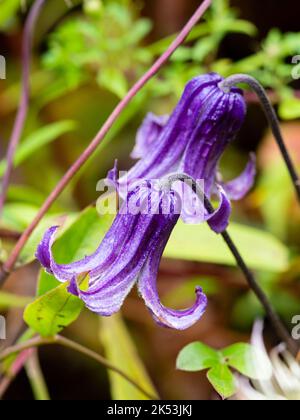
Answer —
219 220
107 293
170 145
111 247
218 124
239 187
147 287
148 135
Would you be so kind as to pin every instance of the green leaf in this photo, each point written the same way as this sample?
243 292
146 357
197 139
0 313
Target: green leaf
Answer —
260 249
37 140
289 109
52 312
121 351
113 80
17 216
247 360
9 300
8 11
223 380
196 357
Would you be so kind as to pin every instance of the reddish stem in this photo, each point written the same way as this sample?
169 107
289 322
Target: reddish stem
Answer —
9 265
24 98
17 366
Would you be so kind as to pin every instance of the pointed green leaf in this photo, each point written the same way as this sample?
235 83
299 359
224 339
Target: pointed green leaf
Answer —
223 380
37 140
52 312
260 249
196 357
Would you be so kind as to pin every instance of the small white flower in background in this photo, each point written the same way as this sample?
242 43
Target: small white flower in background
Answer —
284 382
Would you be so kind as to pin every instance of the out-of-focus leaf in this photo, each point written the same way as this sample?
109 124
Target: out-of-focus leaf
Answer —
37 140
289 109
113 80
8 11
242 318
25 194
198 243
121 351
10 300
276 193
196 357
223 380
52 312
285 304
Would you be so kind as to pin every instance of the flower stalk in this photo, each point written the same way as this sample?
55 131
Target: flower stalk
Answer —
269 110
278 325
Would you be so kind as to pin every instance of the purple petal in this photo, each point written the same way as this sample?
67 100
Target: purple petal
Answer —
194 212
44 254
219 220
104 256
166 155
239 187
113 174
107 293
148 135
166 317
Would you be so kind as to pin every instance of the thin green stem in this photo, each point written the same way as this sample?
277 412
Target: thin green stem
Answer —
36 377
65 342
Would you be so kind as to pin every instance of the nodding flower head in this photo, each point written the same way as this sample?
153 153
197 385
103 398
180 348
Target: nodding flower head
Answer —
193 139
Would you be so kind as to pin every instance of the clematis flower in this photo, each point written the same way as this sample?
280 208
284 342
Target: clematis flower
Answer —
130 253
191 141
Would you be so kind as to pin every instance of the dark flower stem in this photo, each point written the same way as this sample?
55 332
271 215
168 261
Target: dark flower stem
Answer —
269 110
278 325
9 265
65 342
24 98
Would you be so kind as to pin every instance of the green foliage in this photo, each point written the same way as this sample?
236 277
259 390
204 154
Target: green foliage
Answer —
8 11
121 351
105 43
198 243
52 312
241 357
10 300
37 140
